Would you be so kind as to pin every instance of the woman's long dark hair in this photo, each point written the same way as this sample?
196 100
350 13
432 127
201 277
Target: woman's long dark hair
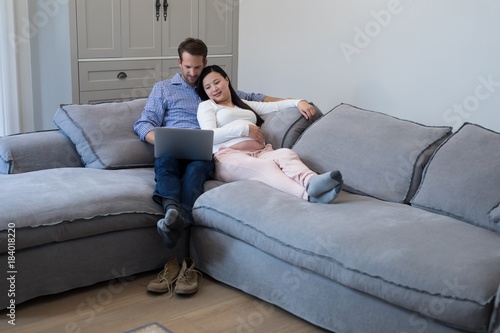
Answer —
234 96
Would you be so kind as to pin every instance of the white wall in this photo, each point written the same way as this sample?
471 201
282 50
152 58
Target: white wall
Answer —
434 62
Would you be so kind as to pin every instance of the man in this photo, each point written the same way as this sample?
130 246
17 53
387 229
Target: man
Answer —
174 103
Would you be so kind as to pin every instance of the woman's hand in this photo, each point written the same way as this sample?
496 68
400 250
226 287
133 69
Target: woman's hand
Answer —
255 133
306 109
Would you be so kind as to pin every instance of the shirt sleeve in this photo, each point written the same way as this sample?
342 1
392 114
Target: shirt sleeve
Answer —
256 97
267 107
208 120
152 115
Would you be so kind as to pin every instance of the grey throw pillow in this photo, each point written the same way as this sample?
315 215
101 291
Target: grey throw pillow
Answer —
462 179
378 155
104 135
283 128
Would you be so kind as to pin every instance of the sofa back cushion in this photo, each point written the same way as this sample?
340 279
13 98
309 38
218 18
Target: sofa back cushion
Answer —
104 135
462 178
378 155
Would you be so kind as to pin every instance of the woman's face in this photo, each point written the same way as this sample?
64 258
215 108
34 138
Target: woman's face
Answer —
217 88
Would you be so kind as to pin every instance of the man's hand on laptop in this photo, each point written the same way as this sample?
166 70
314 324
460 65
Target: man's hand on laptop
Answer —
150 137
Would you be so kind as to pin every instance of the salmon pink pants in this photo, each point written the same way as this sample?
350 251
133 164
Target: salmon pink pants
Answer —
280 168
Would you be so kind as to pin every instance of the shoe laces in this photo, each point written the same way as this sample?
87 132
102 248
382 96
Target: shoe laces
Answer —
187 275
163 276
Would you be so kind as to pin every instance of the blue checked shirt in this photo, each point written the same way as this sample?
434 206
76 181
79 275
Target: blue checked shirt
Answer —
174 103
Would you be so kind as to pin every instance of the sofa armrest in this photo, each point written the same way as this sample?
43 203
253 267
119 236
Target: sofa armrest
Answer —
37 151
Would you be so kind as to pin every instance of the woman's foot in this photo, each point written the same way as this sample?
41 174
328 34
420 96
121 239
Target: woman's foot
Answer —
324 188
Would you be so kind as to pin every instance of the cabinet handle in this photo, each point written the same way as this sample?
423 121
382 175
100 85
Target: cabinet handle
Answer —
158 6
122 75
165 7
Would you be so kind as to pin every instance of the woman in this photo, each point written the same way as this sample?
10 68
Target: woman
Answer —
239 148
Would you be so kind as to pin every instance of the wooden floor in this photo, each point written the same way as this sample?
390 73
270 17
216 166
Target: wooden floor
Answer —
122 305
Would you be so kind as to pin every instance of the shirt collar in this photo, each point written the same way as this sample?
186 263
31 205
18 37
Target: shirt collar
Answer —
178 80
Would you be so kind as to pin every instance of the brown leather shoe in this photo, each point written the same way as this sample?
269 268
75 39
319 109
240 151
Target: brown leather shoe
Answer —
165 279
188 279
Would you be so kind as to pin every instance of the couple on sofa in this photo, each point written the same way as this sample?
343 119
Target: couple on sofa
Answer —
239 148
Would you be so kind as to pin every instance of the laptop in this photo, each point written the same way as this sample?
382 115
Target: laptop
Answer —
184 143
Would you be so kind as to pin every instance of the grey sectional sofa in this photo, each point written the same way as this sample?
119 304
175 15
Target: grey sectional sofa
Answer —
411 245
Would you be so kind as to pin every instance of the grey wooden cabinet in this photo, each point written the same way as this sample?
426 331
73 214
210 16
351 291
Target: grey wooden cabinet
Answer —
123 47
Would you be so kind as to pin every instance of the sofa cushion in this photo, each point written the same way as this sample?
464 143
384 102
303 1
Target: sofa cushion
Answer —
462 179
104 135
430 264
378 155
282 129
66 203
37 150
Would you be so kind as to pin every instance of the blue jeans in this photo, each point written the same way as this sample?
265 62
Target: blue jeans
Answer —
181 181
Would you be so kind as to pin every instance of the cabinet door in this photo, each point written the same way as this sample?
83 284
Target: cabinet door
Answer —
141 30
181 22
99 24
216 25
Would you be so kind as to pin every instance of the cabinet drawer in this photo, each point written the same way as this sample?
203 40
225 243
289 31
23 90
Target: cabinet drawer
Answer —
104 75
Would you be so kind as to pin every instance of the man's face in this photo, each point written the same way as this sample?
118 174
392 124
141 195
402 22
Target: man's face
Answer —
191 67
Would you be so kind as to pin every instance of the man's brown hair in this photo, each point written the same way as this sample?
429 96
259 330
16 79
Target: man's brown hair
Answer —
193 46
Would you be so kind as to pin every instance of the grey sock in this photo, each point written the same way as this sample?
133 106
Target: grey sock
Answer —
170 227
319 184
174 220
171 217
328 196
